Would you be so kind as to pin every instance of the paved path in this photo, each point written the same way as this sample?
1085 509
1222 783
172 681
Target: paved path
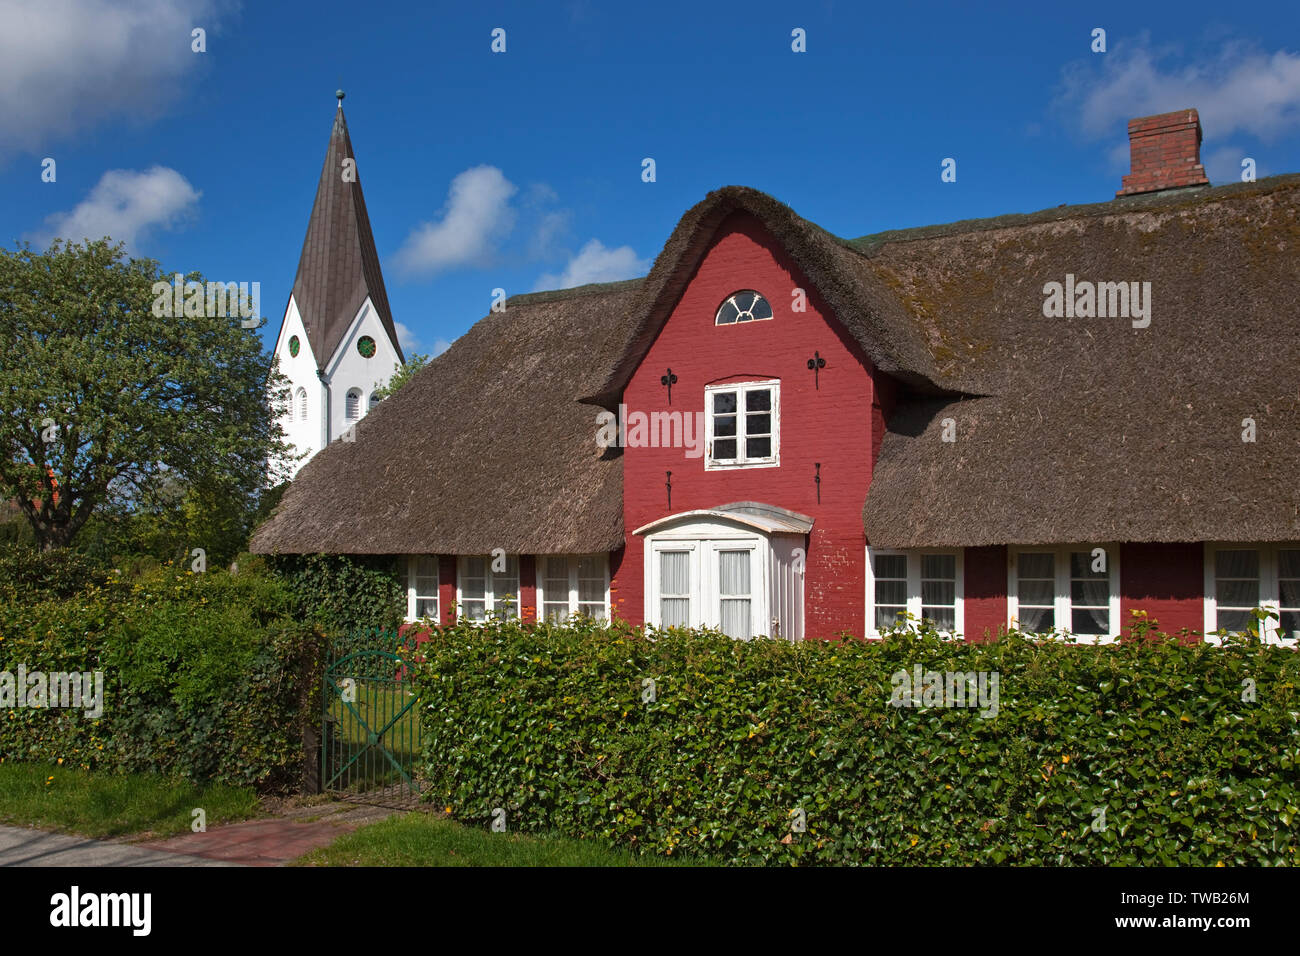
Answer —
20 846
266 842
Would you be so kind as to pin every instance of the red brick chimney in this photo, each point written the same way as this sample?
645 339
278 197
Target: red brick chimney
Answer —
1165 153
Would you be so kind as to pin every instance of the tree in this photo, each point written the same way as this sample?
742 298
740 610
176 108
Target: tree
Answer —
107 403
403 374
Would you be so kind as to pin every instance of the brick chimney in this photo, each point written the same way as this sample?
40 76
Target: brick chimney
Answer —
1165 152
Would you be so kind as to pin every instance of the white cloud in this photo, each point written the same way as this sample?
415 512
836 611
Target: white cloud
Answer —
406 338
439 346
1239 90
595 263
477 214
70 64
125 205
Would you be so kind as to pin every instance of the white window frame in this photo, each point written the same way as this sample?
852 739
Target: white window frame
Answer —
1061 597
741 389
1269 591
413 597
704 542
573 560
738 321
914 586
489 593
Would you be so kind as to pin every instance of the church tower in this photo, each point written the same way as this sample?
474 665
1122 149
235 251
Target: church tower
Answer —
337 342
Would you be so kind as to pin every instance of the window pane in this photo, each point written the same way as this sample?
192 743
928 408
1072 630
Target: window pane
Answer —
891 592
939 566
758 400
944 618
890 565
1036 565
1040 593
1289 625
557 611
735 618
1290 593
474 610
758 447
1090 593
758 424
426 607
1081 565
474 567
887 616
761 309
592 610
1288 563
674 572
724 403
724 426
1095 621
1234 621
724 449
1036 620
1236 564
733 572
727 314
674 612
744 300
939 592
1237 593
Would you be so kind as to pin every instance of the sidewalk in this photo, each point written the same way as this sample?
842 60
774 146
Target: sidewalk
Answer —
265 842
20 846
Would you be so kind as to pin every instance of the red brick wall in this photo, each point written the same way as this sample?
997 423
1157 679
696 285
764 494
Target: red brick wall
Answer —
447 588
832 425
528 587
1165 580
985 606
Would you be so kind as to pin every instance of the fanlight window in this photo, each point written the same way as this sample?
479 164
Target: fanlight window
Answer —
744 306
302 404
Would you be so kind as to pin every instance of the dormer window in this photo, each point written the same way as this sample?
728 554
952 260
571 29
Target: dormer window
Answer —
744 306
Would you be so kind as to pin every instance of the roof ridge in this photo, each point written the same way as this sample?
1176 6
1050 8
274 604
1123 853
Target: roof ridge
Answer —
869 244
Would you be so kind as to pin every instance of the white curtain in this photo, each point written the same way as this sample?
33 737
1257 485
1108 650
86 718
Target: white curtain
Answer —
674 579
734 591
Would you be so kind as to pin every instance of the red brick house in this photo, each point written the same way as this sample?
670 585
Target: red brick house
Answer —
1045 420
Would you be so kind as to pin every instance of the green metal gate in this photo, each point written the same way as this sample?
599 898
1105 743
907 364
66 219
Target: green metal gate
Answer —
370 733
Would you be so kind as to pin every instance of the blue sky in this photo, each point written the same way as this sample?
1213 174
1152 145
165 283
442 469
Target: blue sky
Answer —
523 169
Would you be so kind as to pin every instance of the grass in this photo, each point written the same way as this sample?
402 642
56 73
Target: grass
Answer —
419 839
108 805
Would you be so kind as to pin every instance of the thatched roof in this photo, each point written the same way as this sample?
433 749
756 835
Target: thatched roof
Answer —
1067 429
339 266
863 304
1093 430
485 448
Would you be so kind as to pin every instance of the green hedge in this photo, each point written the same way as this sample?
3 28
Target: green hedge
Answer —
744 738
344 593
206 676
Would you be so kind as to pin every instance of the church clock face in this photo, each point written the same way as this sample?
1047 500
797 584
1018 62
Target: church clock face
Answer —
293 346
366 346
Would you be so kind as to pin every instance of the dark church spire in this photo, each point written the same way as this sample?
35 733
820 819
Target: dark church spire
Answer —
339 266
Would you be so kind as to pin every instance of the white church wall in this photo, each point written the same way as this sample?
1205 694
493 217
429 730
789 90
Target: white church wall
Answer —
300 370
348 368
